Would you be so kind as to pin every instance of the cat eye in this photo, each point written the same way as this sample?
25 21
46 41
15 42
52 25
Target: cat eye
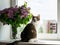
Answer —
35 19
38 19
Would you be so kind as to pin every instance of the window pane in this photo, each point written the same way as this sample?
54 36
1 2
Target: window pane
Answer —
46 8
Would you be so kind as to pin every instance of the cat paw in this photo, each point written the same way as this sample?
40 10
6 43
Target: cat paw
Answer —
32 40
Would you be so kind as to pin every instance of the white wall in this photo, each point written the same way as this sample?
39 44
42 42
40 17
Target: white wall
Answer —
4 4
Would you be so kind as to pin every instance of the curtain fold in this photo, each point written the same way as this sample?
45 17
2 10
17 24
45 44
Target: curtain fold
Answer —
13 3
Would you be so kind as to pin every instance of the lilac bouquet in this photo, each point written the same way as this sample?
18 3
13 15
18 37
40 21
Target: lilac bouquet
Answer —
15 16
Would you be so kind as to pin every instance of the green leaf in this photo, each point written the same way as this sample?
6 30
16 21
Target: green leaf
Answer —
25 4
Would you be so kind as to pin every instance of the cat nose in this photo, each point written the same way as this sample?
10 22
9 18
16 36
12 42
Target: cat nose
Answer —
34 20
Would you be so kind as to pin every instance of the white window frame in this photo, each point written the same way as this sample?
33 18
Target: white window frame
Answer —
49 36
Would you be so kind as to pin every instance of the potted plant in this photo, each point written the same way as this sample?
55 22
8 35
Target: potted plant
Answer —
15 16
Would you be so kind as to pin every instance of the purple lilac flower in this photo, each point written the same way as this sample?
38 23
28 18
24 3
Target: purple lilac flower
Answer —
6 10
15 9
28 8
10 14
25 13
11 9
22 16
0 13
23 7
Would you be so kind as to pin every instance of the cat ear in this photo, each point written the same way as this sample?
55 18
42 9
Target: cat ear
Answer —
38 15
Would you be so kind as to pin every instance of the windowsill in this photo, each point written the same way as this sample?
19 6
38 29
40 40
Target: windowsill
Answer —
47 36
7 41
38 42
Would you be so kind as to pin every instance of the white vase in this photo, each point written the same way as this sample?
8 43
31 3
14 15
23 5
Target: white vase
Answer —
5 31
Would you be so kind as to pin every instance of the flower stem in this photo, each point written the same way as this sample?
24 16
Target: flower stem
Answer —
14 31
